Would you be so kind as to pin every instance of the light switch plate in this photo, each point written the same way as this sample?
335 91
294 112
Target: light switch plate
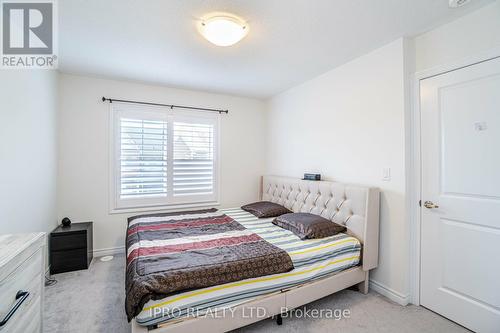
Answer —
386 174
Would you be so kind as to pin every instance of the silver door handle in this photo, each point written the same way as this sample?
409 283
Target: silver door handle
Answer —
430 205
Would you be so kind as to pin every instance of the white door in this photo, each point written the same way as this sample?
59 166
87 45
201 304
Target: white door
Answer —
460 239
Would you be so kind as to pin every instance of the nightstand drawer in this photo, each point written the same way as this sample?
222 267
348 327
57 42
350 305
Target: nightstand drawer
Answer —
68 241
69 260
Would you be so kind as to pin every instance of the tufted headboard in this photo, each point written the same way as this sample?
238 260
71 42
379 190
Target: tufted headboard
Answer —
356 207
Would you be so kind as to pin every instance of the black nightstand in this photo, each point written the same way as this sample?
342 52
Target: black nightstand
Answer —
70 247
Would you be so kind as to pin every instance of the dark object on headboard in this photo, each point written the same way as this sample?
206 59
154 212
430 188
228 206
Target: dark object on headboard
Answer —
312 176
70 248
66 222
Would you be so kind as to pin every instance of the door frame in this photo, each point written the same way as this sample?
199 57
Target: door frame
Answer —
413 175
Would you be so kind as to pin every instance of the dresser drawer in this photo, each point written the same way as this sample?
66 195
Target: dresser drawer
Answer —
29 322
27 277
68 241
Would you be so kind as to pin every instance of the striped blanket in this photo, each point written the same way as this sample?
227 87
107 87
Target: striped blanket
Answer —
312 259
173 252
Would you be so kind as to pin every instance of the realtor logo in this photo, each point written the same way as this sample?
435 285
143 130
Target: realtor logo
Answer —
28 34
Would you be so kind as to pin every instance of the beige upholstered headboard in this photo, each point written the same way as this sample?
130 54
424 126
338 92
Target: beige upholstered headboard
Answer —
356 207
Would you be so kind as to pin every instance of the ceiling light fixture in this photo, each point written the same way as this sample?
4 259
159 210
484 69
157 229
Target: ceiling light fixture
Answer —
223 29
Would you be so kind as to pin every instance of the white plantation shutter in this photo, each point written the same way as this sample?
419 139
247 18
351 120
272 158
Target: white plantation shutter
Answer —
193 172
143 158
162 157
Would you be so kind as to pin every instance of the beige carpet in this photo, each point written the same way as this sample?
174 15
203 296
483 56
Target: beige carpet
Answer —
93 301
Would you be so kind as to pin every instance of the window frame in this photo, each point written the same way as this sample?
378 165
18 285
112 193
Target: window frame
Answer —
117 205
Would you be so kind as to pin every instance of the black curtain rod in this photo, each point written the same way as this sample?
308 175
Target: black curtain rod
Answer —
111 100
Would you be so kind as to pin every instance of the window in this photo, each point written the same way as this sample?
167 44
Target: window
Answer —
162 158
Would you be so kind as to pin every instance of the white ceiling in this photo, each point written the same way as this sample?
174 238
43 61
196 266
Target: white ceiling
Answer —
290 41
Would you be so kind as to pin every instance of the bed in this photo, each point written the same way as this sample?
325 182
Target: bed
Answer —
321 266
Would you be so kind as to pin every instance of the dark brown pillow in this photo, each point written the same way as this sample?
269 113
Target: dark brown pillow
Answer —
265 209
308 226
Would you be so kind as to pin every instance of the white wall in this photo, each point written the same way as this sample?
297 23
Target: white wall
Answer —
473 34
83 148
349 124
28 150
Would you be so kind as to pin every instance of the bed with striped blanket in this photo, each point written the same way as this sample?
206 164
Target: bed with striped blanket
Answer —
312 260
174 252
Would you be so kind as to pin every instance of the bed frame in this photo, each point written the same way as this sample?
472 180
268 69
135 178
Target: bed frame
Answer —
356 207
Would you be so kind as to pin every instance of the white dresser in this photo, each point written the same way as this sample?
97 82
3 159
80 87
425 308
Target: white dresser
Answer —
21 282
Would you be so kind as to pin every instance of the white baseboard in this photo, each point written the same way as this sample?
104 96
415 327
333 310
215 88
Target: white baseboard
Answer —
109 251
391 294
